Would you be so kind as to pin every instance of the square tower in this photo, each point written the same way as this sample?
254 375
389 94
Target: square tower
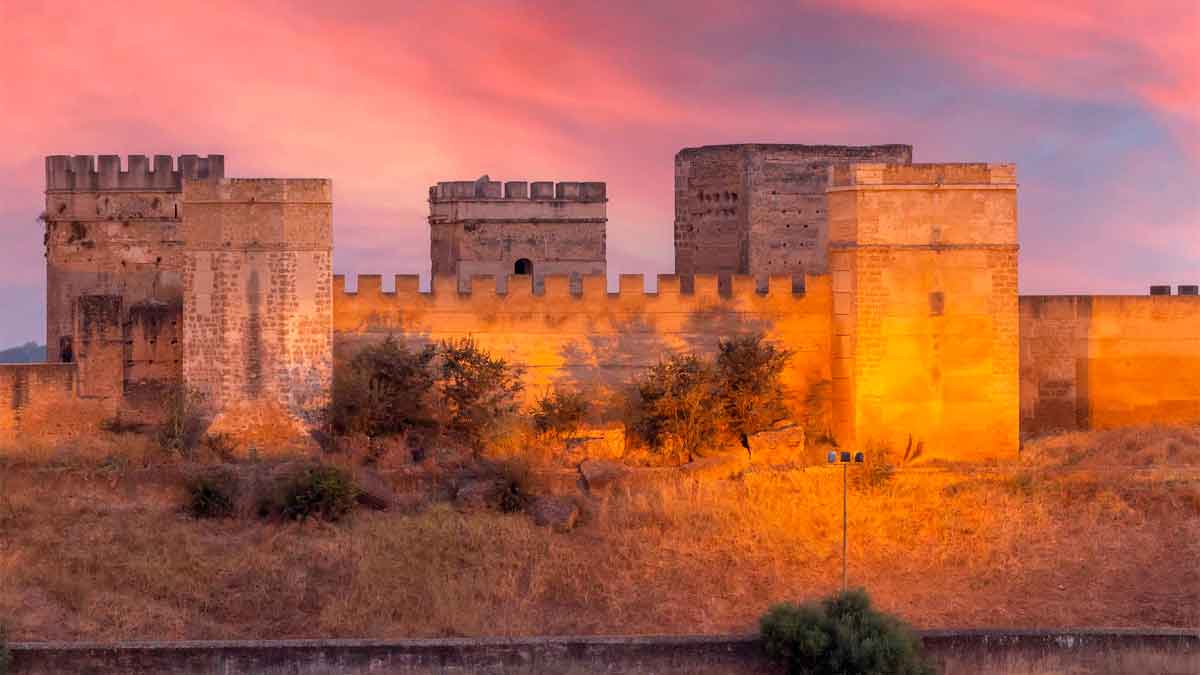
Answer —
483 227
925 344
759 209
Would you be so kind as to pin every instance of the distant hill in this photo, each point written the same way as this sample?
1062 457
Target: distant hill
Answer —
30 352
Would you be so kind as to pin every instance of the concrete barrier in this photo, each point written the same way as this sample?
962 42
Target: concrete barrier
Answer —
985 651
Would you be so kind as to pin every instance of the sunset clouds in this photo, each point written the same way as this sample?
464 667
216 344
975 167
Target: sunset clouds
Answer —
1097 103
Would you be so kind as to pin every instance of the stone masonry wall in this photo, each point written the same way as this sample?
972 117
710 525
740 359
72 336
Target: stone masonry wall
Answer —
484 227
759 209
593 340
256 275
1105 361
924 263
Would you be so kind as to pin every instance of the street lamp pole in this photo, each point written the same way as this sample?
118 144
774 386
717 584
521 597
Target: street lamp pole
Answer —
844 459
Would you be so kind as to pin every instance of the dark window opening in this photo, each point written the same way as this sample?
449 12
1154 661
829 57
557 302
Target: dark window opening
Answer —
66 354
523 267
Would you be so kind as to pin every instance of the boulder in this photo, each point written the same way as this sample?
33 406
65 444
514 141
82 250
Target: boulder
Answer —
777 447
478 494
601 476
717 467
373 491
558 513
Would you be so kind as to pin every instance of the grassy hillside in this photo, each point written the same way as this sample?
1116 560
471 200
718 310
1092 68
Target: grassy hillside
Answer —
1099 529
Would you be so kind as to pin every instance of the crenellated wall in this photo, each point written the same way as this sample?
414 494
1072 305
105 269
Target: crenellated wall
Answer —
592 339
1095 361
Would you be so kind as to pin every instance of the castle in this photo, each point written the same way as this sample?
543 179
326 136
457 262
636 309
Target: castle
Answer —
894 285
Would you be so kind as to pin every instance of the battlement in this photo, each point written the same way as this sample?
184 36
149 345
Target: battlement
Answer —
80 173
853 176
487 189
630 287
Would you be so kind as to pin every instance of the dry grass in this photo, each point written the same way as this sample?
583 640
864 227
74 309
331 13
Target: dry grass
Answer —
93 546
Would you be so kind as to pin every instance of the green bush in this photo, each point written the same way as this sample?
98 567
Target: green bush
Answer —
673 410
212 495
560 414
475 390
324 492
841 634
382 391
749 383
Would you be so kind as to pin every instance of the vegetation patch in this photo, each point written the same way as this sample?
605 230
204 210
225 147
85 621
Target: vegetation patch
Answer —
213 494
841 634
321 491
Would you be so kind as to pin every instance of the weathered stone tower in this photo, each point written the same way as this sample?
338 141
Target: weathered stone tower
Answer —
925 312
257 320
177 277
117 233
759 209
484 227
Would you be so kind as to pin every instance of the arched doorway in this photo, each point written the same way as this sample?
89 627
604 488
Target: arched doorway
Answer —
523 267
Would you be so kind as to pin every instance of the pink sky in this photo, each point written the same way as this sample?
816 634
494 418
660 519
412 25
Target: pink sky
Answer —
1097 103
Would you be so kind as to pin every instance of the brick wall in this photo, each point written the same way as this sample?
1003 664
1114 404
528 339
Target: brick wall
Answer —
1106 361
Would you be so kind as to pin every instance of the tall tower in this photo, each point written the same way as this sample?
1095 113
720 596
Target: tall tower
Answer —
924 265
759 209
116 233
257 303
484 227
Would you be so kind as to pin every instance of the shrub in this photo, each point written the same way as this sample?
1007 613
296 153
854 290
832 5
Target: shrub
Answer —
841 634
516 484
324 492
560 413
475 390
383 390
212 495
183 423
748 372
673 411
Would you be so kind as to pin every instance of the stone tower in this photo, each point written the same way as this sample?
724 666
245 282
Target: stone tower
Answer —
925 311
759 209
484 227
257 303
113 233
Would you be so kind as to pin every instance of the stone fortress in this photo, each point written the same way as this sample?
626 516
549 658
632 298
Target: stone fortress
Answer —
894 284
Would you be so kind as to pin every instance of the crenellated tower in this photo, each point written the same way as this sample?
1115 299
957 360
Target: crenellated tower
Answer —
486 227
115 232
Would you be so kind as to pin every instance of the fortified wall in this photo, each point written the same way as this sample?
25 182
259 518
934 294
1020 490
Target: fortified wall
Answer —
898 298
587 338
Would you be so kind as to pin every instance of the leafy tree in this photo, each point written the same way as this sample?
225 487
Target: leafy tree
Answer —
748 371
560 413
675 410
383 390
475 390
841 634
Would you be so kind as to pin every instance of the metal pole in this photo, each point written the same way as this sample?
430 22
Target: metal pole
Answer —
844 509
